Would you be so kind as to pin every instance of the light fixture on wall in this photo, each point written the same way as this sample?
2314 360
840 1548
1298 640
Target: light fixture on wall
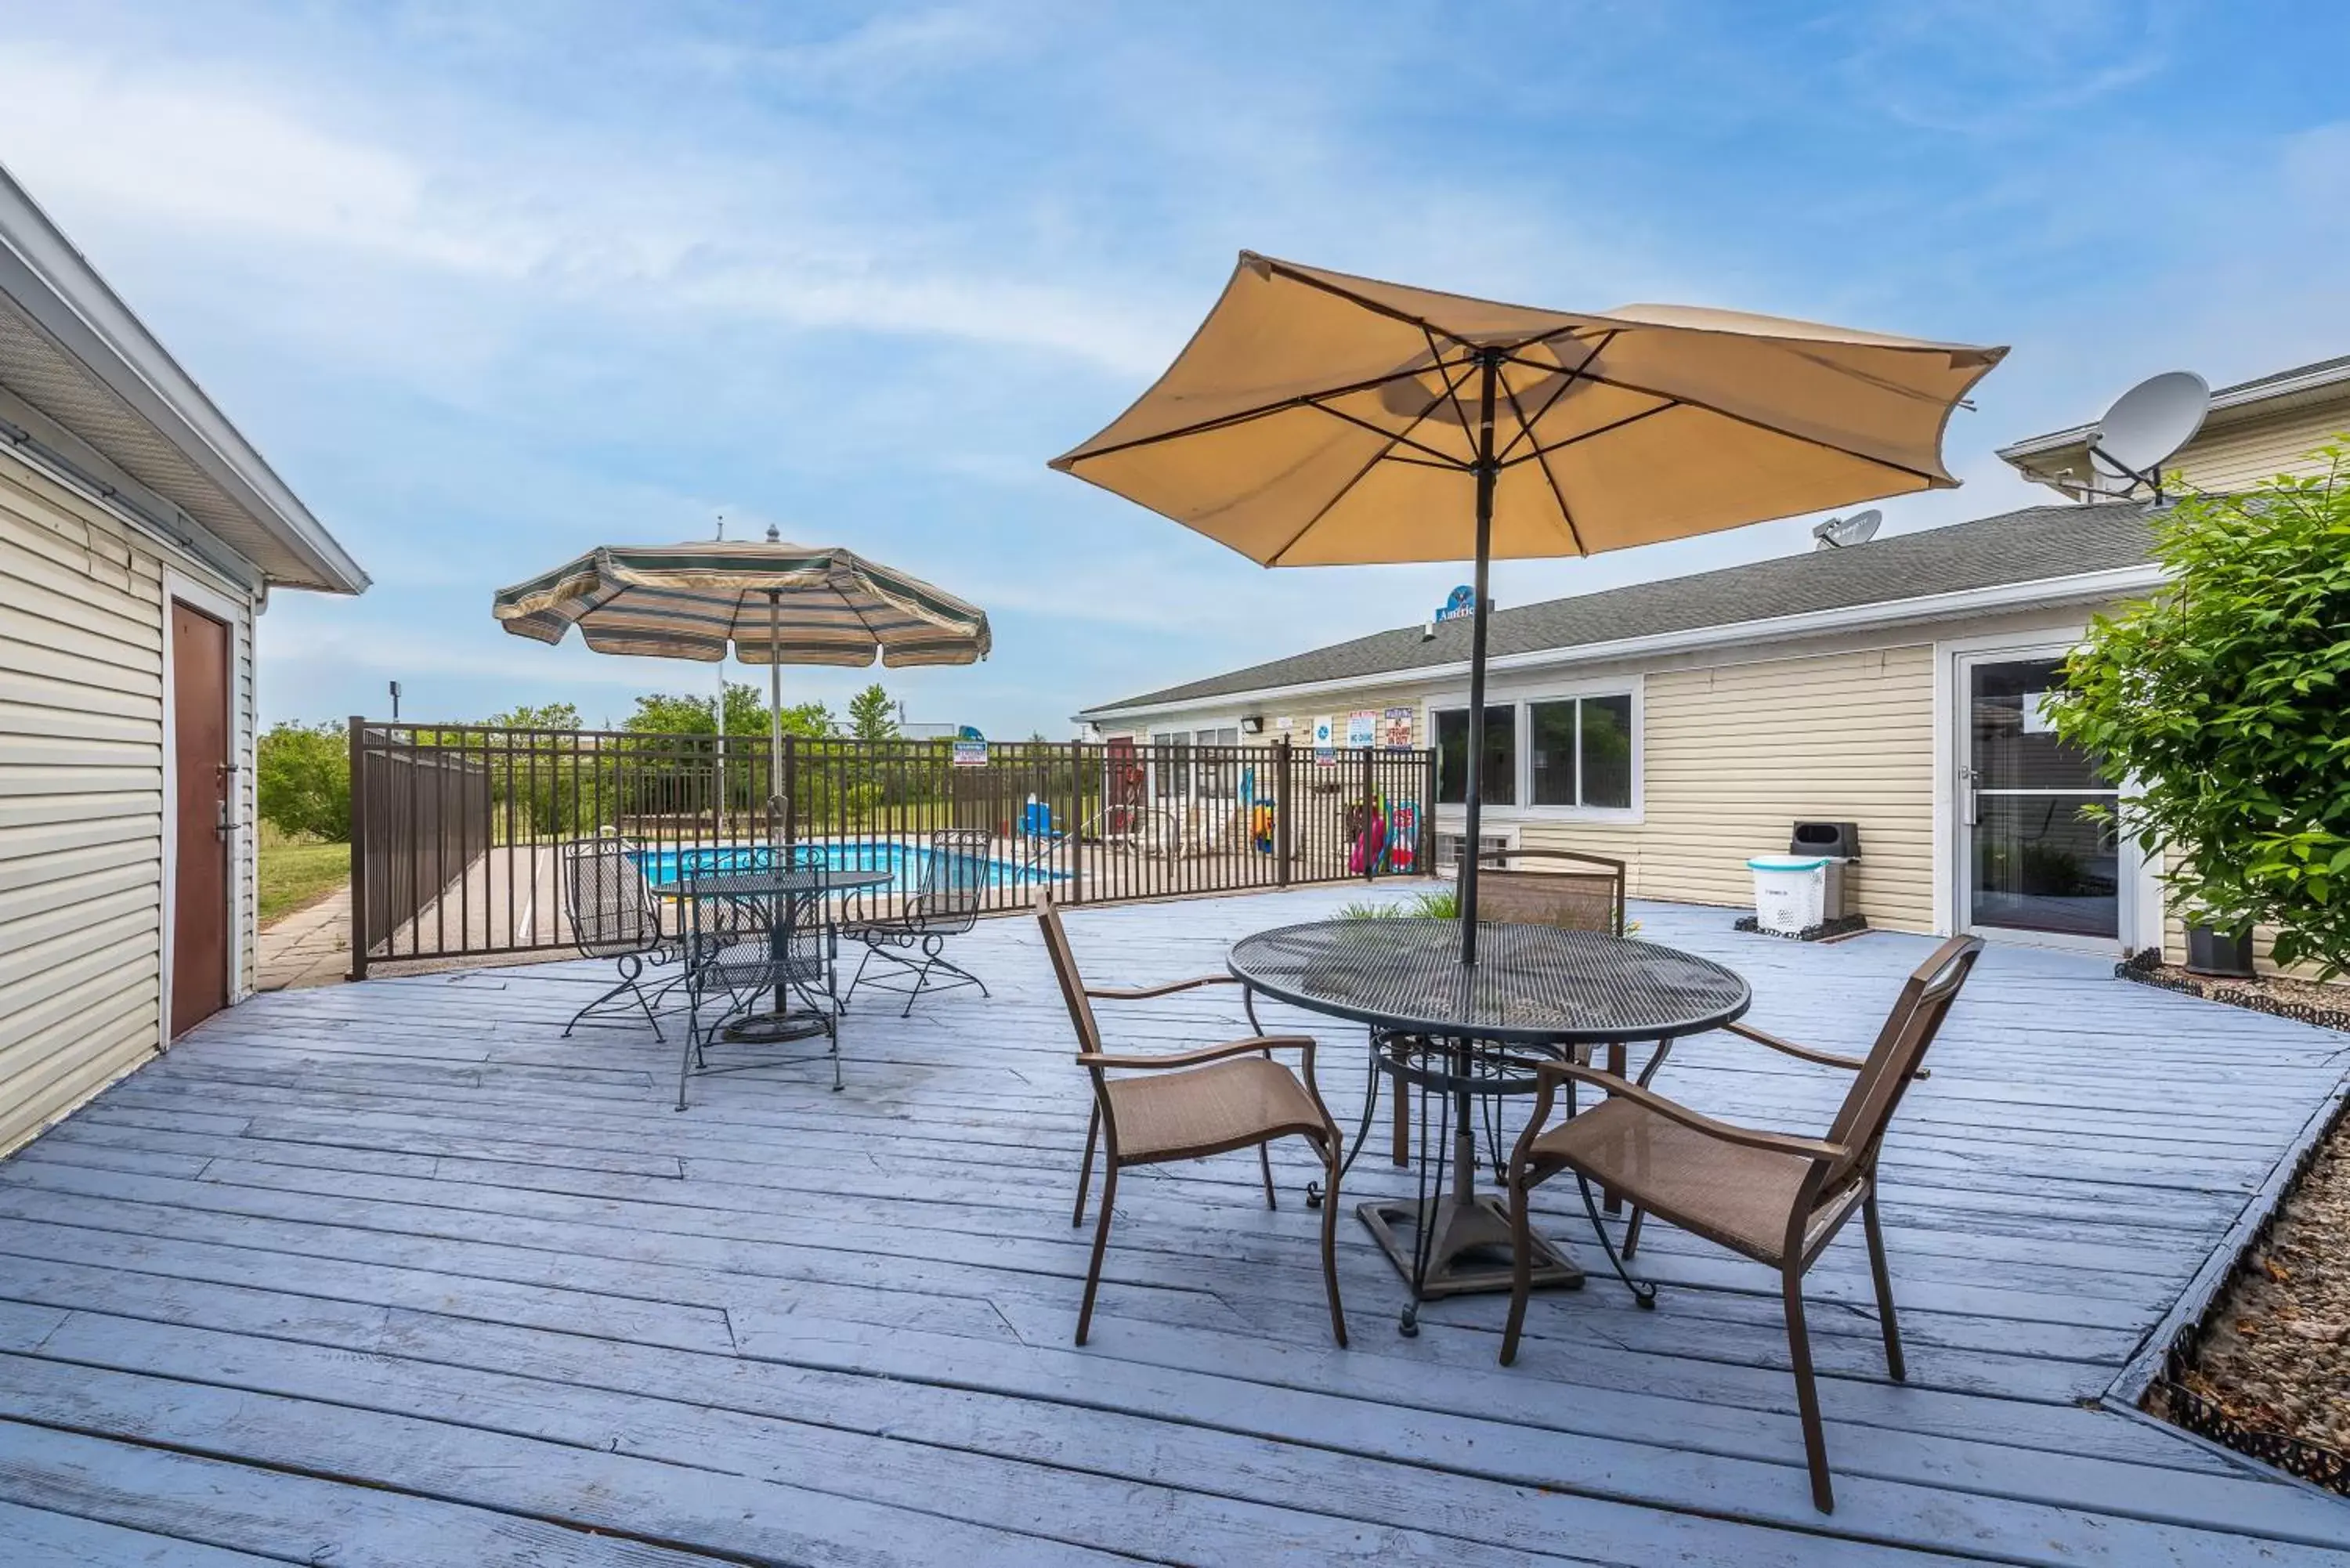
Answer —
1252 724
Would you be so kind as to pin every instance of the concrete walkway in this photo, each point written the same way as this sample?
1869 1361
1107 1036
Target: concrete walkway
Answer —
309 946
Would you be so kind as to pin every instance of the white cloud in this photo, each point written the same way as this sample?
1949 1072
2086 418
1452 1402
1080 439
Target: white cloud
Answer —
524 207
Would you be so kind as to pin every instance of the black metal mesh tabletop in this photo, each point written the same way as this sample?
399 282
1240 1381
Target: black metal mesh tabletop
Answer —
1531 985
800 882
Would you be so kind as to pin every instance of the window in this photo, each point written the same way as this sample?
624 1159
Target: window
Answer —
1581 753
1181 769
1173 771
1501 781
1216 773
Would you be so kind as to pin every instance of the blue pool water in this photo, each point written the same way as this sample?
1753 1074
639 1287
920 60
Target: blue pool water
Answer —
904 862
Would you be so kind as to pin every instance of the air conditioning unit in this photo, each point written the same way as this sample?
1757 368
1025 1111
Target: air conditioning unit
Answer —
1447 849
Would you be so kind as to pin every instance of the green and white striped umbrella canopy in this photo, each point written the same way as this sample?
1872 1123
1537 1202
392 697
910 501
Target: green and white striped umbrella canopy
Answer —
775 603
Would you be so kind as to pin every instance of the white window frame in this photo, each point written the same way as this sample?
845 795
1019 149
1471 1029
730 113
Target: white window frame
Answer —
1519 697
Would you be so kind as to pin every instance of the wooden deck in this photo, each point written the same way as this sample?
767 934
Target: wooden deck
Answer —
389 1274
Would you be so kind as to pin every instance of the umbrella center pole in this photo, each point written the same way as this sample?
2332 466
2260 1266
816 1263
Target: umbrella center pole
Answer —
778 809
1489 371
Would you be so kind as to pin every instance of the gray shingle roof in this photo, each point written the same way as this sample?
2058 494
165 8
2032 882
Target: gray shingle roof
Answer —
2036 543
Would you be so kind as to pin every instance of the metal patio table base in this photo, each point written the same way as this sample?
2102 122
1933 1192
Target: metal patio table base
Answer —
776 1028
1452 1239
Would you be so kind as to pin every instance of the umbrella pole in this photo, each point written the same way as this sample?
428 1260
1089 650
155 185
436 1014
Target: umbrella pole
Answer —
778 808
1476 794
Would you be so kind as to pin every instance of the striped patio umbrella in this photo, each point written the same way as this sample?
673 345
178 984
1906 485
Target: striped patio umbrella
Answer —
776 603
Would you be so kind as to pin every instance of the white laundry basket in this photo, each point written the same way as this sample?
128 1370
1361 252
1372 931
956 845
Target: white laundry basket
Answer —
1791 891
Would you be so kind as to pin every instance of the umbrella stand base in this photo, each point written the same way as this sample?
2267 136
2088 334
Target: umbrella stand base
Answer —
1471 1247
774 1028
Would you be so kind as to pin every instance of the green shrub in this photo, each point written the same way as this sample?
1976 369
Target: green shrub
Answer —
302 780
2220 701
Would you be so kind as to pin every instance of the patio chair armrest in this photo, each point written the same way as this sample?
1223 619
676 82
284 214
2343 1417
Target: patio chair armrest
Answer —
1696 1121
1143 992
1804 1053
1205 1053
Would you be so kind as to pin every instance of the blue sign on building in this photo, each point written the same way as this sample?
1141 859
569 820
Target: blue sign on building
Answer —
1461 601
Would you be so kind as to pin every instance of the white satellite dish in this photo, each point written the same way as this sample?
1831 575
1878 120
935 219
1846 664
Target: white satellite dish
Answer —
2144 428
1837 533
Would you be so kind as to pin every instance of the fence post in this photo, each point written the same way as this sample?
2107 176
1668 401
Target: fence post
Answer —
1281 812
1426 857
788 793
1077 822
359 937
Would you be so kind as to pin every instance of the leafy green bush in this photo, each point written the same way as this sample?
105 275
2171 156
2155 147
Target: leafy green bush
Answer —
302 780
2221 700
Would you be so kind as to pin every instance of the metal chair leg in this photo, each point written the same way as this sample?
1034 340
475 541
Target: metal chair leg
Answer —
1330 1244
1891 1327
1101 1244
1644 1291
1521 1267
1807 1392
1085 1171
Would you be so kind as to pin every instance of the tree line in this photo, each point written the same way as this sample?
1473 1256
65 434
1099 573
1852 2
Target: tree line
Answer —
303 770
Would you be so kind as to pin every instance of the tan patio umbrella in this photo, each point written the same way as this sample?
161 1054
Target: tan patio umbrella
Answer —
776 603
1320 418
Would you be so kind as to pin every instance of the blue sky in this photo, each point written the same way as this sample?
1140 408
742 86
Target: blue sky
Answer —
492 284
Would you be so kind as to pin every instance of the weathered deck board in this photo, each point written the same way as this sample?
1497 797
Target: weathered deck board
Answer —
394 1269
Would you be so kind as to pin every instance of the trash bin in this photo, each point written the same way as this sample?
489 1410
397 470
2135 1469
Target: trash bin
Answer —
1791 891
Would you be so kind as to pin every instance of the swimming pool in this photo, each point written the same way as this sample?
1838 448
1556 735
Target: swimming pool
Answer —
905 863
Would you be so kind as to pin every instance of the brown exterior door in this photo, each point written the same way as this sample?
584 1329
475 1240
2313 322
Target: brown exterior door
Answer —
201 769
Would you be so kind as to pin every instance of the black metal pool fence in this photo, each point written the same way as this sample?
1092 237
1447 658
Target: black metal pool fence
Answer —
459 831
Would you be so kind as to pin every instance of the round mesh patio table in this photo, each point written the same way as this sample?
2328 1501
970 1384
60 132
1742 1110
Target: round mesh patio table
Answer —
1436 1024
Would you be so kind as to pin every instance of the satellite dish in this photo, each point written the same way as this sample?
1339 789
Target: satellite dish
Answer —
2146 425
1838 533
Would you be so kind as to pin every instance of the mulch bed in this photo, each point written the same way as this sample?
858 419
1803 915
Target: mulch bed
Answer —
2267 1372
2304 1002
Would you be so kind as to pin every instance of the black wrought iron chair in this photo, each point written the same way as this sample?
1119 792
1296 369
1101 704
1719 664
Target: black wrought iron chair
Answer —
737 958
614 915
910 944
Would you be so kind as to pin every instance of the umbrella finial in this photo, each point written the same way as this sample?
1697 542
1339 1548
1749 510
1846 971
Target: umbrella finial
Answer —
774 537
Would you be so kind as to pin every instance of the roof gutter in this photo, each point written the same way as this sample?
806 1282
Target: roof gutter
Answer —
51 280
2081 587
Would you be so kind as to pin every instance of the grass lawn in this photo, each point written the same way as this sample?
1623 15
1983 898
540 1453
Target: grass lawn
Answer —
294 874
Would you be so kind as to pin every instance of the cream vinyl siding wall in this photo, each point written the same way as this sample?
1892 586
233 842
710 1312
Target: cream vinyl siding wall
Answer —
2239 456
1733 754
82 797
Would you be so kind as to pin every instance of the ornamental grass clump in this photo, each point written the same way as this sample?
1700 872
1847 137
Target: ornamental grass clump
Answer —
2220 702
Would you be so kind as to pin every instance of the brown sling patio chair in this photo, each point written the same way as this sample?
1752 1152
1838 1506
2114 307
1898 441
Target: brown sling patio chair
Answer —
1773 1197
1586 895
1186 1105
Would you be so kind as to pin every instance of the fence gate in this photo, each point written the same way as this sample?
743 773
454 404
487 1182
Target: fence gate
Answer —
460 833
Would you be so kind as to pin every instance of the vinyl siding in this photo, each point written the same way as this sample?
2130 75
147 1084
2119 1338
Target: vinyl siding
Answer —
2239 456
1734 754
82 798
